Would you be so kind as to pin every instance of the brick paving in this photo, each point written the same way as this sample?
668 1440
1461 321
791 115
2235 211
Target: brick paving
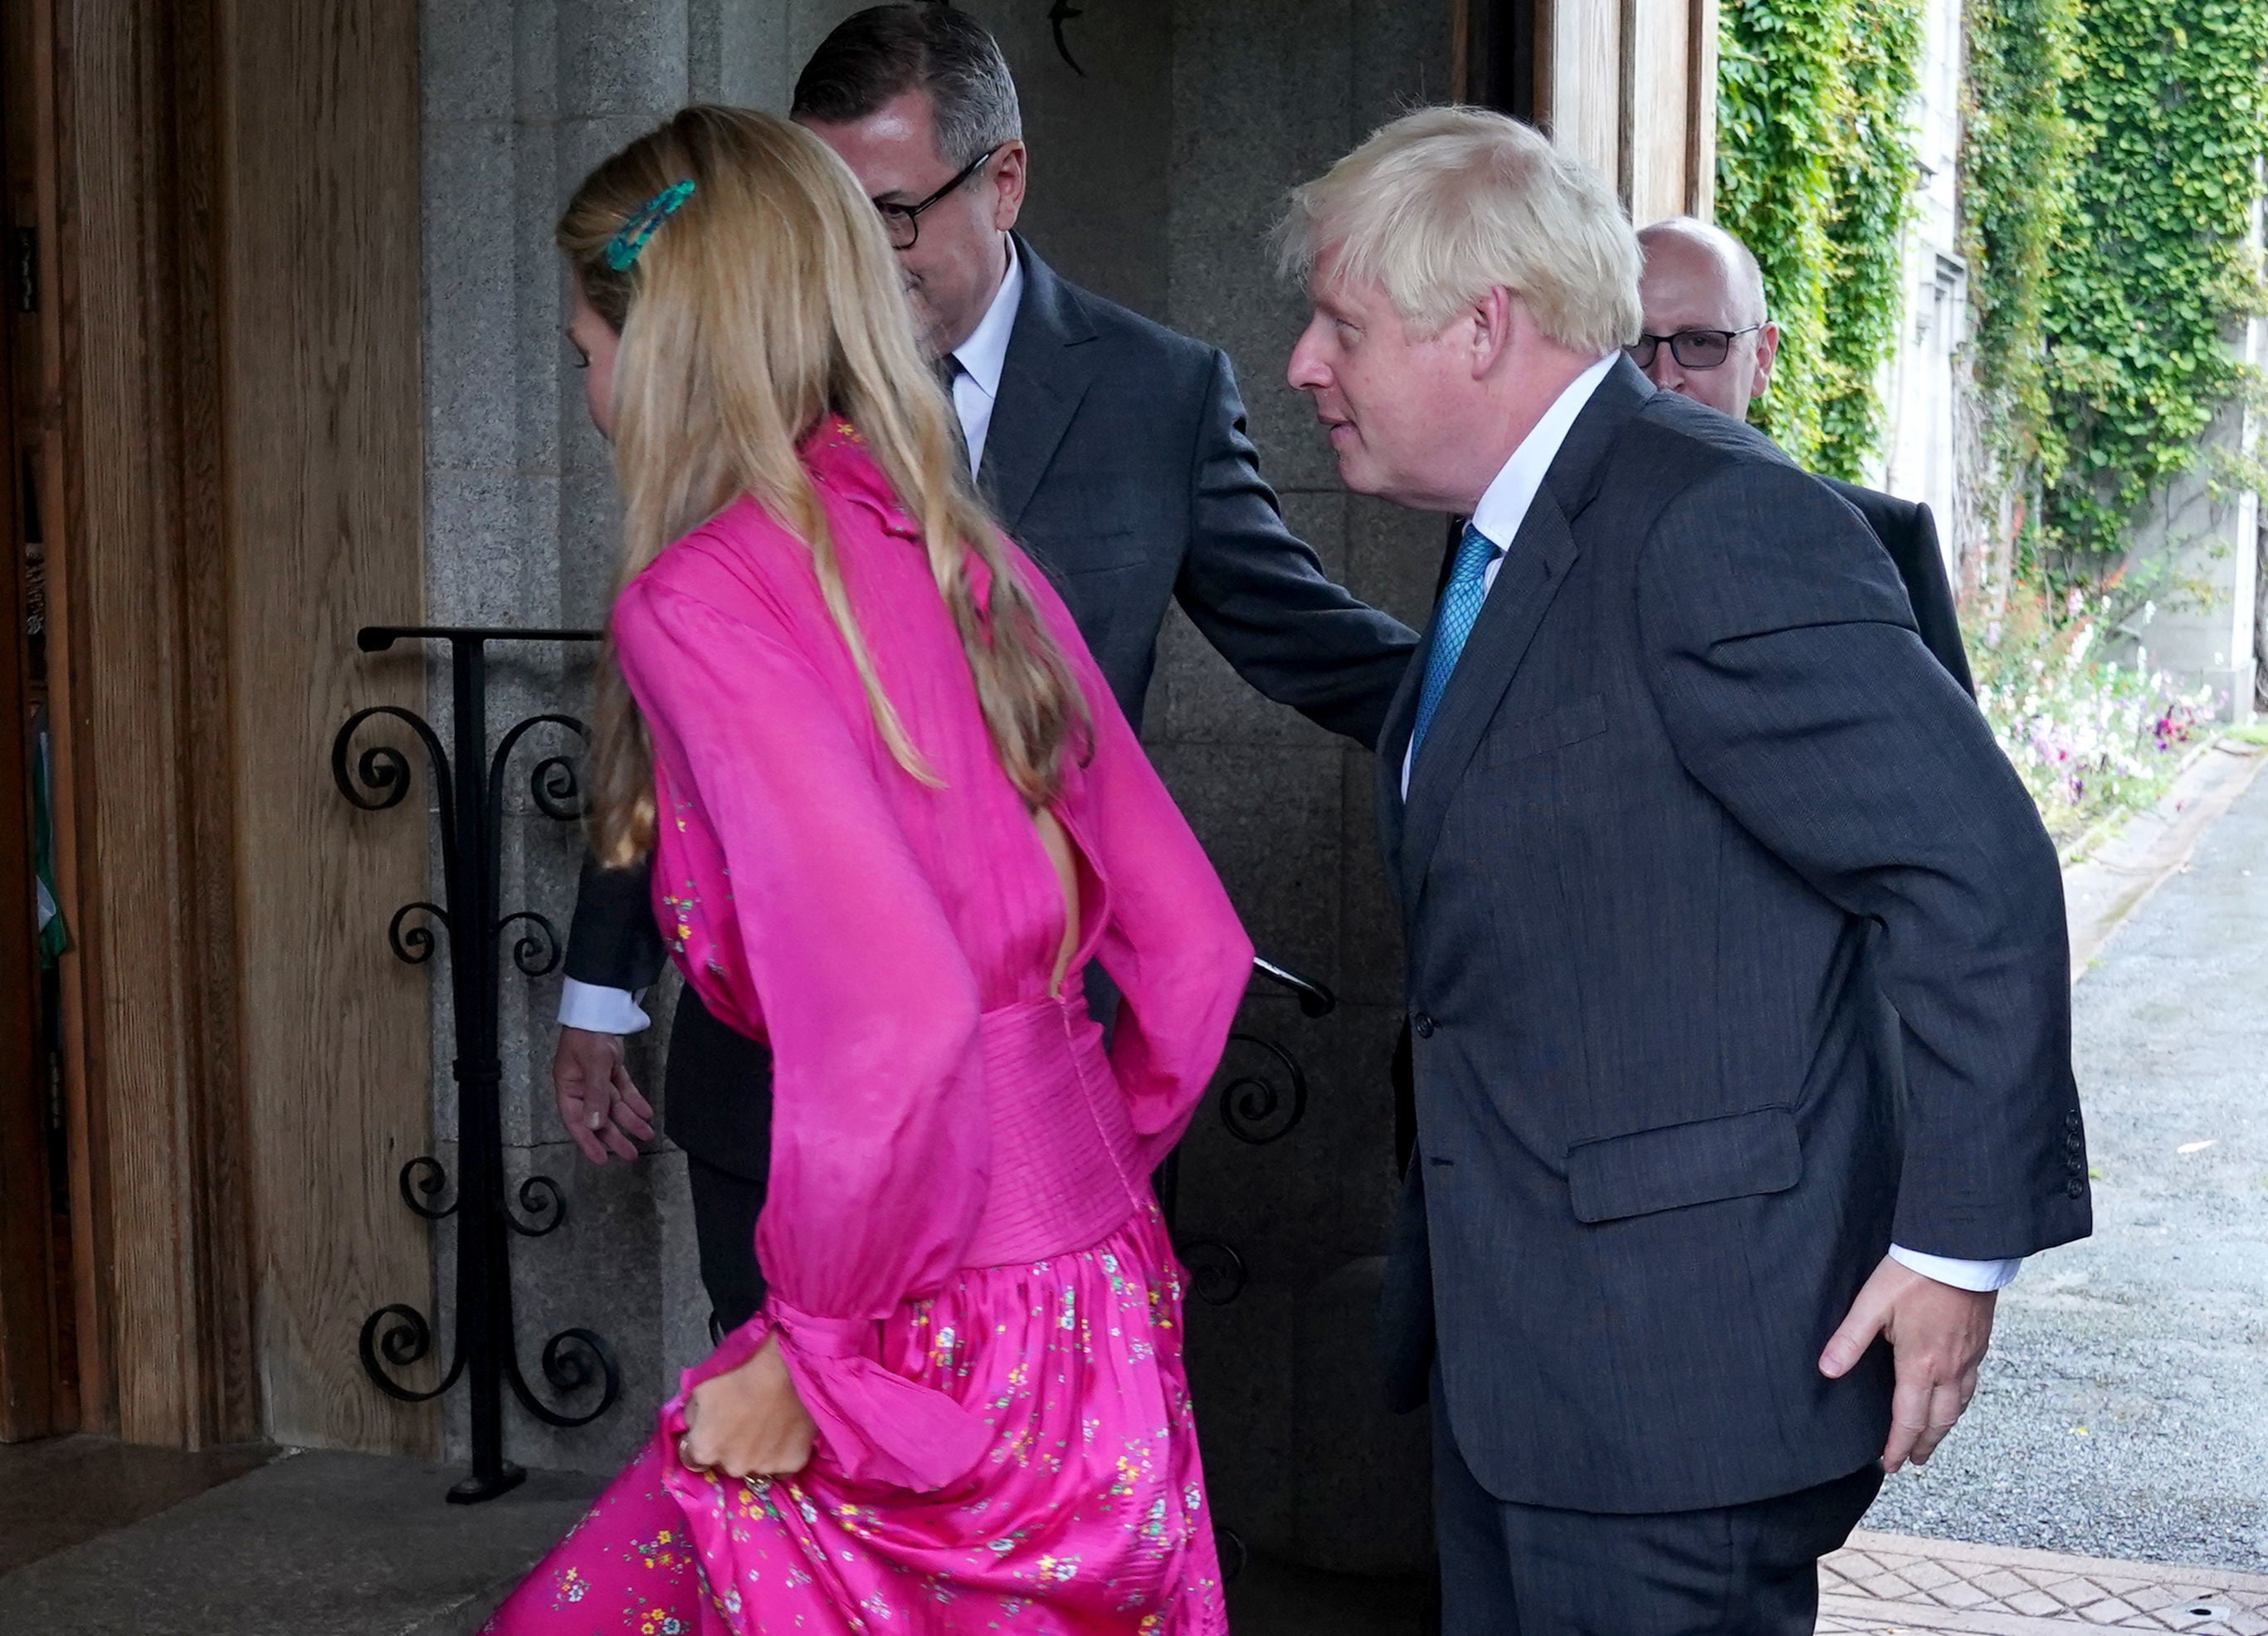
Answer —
1889 1584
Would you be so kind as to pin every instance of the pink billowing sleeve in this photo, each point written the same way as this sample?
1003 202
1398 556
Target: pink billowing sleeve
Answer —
878 1129
1173 942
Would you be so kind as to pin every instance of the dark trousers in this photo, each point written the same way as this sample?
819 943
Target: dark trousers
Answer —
1516 1570
716 1105
725 1210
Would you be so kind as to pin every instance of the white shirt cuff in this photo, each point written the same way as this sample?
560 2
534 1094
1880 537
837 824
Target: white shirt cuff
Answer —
1978 1277
600 1010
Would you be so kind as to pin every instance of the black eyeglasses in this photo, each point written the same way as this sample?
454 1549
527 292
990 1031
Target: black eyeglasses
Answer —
902 222
1693 348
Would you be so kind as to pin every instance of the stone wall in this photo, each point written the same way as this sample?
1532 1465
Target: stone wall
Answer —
1155 177
2197 544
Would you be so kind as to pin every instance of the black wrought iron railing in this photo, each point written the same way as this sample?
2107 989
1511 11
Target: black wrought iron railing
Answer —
1262 1099
1259 1104
469 780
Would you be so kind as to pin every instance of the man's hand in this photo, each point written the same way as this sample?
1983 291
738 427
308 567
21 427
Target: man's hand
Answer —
748 1422
599 1103
1939 1335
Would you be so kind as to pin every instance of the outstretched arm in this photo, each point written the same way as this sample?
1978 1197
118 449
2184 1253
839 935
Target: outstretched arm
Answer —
1260 595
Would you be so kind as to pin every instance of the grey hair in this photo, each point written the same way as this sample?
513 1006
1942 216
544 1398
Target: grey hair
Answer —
888 50
1445 204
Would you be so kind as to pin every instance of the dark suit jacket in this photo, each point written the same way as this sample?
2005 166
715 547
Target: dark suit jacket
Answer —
1693 755
1117 458
1908 534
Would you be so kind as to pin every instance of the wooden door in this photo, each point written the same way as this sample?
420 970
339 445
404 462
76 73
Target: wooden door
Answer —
229 411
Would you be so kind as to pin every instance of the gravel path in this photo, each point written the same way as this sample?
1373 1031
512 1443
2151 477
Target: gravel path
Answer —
2124 1410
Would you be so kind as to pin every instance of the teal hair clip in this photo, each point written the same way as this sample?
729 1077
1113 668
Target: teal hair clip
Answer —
622 249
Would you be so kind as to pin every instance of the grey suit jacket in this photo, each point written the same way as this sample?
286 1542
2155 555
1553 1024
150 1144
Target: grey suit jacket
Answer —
1117 458
1697 810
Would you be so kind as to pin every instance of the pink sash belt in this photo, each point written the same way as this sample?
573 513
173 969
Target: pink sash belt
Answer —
1064 1173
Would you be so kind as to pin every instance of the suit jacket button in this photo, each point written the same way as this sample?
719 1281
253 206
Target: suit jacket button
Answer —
2075 1187
2072 1122
1422 1025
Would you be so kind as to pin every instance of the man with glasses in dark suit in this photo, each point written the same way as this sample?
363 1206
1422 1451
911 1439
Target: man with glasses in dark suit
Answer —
1707 334
1112 449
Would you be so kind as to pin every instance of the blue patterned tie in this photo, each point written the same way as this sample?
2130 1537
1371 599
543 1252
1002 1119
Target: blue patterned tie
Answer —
1461 605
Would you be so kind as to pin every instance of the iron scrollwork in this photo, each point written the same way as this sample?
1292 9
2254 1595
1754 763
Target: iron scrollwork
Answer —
1254 1108
1258 1106
1218 1274
572 1360
545 1204
430 1177
537 951
413 946
399 1335
1061 13
468 786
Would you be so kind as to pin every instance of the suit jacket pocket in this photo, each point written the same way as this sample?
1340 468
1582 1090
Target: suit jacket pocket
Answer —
1570 724
1672 1166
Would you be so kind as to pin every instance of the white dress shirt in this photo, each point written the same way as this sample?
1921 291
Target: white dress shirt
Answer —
1503 508
976 385
976 389
1504 503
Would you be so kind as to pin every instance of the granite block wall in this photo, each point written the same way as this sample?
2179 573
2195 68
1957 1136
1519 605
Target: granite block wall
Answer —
1155 176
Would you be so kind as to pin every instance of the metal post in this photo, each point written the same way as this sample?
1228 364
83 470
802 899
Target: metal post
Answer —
469 784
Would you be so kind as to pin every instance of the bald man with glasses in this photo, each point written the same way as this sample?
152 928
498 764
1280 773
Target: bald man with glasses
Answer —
1707 336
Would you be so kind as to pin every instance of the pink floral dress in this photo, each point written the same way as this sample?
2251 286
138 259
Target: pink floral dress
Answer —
970 1278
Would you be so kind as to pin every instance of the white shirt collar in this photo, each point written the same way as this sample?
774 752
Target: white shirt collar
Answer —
1504 506
985 353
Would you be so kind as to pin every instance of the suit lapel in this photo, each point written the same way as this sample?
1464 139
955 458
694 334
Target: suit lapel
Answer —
1535 566
1048 367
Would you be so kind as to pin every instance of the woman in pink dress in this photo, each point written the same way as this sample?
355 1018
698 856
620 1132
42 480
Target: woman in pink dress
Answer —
893 813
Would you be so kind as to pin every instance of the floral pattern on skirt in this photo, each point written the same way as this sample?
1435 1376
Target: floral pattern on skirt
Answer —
1088 1513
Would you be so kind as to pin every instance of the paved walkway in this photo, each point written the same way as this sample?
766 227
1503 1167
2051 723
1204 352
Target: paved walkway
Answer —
2123 1413
311 1544
1886 1584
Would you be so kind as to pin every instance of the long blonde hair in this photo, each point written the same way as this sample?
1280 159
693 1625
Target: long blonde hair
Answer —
769 299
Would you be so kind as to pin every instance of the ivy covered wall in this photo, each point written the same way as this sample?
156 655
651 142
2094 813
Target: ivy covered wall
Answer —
1815 172
2111 168
2154 268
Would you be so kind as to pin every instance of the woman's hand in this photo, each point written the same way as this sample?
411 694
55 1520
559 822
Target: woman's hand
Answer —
748 1422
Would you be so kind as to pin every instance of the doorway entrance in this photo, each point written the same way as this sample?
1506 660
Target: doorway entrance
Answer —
38 1383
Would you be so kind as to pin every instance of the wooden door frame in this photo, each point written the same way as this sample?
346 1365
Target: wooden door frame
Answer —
233 418
139 581
1502 56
